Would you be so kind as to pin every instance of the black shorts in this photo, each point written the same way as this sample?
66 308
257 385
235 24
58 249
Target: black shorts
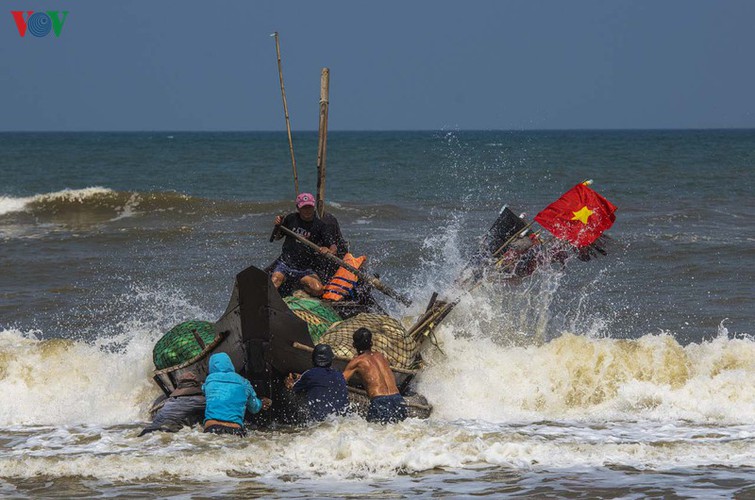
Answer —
226 429
387 409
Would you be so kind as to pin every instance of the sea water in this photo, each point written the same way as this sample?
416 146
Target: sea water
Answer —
627 376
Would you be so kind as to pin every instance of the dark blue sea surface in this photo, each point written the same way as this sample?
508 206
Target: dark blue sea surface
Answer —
191 209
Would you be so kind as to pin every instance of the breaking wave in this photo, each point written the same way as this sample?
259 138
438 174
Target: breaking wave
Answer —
593 379
59 381
58 199
103 380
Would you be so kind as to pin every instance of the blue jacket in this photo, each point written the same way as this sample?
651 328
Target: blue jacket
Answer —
228 394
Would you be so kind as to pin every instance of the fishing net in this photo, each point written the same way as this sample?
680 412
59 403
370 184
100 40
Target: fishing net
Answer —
184 342
388 338
319 316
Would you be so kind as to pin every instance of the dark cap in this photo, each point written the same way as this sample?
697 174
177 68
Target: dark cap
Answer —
322 356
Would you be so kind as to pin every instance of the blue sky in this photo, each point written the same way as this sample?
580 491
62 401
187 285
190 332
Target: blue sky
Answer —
395 65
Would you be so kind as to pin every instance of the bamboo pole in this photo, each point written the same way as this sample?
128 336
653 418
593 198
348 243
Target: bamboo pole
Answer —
285 112
322 143
375 282
431 319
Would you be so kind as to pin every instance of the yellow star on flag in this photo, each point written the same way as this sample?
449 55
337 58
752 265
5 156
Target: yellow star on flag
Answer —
582 215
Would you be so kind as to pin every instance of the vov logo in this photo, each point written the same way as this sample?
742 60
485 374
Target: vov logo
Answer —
39 24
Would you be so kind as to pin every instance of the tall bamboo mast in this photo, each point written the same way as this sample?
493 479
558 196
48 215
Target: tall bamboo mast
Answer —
322 144
285 112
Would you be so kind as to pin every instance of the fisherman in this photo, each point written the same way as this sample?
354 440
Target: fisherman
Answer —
228 396
297 262
527 253
523 256
324 386
386 403
184 406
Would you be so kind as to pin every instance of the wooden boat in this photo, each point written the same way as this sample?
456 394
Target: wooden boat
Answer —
266 340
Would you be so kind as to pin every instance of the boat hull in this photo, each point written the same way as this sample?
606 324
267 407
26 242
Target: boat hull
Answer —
266 341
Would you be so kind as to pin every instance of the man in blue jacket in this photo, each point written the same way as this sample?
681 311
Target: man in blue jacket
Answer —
228 395
324 386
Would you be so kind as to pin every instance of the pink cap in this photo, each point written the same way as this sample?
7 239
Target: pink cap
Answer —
305 200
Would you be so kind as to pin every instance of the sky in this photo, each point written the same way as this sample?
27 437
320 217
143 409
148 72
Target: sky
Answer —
394 65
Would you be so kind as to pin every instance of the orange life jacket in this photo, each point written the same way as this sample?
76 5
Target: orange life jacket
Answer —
342 283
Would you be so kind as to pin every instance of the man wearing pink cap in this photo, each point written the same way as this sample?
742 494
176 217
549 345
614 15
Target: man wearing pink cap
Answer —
298 262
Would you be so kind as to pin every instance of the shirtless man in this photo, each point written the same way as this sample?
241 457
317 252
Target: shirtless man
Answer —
386 404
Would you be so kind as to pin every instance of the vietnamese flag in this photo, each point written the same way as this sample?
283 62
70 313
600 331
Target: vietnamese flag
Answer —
580 216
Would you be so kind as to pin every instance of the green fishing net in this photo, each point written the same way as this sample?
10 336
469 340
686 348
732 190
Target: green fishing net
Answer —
182 343
318 315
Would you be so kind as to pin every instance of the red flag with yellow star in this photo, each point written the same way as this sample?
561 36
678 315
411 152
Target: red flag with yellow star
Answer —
579 216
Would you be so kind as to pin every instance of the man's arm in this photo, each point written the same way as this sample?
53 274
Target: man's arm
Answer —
281 221
253 403
277 233
301 384
331 249
350 369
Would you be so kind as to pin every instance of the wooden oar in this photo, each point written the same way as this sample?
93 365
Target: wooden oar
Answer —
372 280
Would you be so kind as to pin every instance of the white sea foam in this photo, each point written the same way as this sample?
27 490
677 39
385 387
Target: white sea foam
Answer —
502 360
59 381
9 204
62 381
351 449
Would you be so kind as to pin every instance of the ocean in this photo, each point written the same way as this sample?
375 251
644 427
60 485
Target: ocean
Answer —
631 375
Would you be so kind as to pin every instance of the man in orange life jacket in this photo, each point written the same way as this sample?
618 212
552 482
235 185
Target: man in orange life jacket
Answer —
297 262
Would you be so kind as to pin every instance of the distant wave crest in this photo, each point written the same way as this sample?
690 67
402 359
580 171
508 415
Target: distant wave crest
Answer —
99 204
10 204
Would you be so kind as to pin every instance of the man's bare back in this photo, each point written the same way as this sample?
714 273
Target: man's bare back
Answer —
375 372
